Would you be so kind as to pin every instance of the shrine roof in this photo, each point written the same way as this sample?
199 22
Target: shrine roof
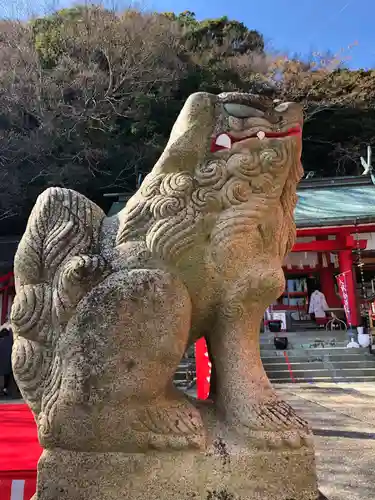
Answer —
321 202
338 203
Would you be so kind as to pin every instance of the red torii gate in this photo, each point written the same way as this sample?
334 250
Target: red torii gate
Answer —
6 295
343 244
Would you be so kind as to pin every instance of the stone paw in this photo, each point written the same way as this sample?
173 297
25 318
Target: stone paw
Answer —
277 414
172 428
275 425
176 441
278 440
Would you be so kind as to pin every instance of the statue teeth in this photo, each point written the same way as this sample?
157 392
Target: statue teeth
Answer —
224 141
261 135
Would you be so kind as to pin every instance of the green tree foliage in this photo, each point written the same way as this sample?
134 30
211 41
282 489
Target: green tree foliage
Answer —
88 98
232 37
48 33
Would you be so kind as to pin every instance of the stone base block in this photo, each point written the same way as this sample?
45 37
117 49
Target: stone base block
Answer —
220 473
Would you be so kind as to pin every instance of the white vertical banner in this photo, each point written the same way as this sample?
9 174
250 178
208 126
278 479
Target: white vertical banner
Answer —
17 490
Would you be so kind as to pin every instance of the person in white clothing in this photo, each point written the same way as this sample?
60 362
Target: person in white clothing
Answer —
318 304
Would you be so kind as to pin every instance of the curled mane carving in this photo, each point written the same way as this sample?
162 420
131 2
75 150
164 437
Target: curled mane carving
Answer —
219 196
63 224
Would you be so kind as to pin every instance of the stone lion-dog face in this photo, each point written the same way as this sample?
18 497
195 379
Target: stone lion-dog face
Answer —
226 182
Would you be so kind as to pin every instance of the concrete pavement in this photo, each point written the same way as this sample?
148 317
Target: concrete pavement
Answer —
342 417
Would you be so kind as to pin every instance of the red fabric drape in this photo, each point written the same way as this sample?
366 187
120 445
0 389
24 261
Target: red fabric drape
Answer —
19 452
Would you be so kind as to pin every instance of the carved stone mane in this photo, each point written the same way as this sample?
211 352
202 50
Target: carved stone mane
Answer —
173 211
55 266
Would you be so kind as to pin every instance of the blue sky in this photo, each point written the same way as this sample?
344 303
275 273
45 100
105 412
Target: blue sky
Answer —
293 26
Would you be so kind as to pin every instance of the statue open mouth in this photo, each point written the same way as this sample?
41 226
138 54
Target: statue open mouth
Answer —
225 141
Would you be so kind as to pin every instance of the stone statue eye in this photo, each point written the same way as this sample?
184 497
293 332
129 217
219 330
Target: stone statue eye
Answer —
282 107
242 110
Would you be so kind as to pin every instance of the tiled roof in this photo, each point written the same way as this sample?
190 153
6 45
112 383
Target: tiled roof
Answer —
116 207
335 205
324 205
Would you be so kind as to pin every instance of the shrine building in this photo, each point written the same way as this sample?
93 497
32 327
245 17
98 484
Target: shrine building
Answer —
335 220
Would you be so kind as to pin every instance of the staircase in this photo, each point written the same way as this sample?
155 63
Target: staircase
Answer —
310 361
305 360
185 375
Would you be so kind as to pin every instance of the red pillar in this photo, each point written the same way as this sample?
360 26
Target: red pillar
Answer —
346 265
4 305
327 282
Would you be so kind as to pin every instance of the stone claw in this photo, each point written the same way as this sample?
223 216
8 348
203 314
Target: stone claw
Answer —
275 425
266 440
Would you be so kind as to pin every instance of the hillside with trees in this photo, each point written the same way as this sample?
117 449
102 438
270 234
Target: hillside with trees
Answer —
88 98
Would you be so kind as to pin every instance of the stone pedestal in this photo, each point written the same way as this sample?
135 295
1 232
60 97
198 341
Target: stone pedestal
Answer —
223 472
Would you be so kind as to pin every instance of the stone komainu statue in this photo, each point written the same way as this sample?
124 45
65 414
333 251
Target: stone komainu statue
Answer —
105 307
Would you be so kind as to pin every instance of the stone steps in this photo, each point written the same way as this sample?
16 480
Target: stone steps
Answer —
185 373
318 364
316 357
325 363
315 365
323 371
323 380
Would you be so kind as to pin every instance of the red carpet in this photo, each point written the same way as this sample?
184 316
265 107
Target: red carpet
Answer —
19 452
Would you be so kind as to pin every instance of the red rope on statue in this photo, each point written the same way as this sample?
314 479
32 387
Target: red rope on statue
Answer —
289 368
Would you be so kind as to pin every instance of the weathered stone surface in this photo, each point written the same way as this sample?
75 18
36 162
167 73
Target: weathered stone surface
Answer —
184 475
228 469
106 307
